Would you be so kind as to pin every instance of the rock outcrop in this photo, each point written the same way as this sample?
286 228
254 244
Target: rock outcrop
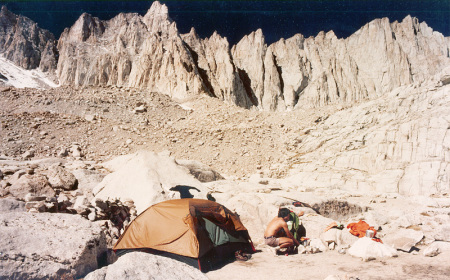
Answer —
250 64
141 266
25 44
426 49
130 51
395 147
321 70
29 250
213 59
148 52
147 178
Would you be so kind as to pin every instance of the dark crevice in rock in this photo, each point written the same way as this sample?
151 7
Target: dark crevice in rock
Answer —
300 90
202 72
338 93
248 86
187 67
280 72
204 75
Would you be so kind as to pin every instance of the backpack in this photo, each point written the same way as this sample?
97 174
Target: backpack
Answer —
296 228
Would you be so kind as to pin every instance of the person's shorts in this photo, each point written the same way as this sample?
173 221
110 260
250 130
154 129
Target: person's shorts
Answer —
272 241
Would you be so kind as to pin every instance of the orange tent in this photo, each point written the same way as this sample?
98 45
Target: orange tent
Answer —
194 229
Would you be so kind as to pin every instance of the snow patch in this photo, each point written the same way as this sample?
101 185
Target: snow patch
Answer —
21 78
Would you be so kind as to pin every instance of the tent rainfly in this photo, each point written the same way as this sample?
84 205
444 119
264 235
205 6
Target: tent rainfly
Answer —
196 231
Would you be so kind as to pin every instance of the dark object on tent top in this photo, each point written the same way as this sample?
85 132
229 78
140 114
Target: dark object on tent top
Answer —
184 191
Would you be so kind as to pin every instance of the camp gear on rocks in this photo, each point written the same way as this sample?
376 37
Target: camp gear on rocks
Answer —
370 233
359 229
242 256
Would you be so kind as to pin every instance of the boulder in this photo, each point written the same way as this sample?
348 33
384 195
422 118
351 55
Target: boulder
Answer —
28 154
76 151
367 249
4 188
11 205
29 250
143 266
16 175
436 248
442 233
444 76
342 238
404 239
200 171
60 178
87 180
318 245
80 202
146 178
36 184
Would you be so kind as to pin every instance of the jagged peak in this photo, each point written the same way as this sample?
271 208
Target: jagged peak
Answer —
413 26
321 34
193 33
5 12
330 35
257 35
381 23
158 10
217 37
411 22
157 18
86 26
126 17
9 18
173 30
83 18
409 19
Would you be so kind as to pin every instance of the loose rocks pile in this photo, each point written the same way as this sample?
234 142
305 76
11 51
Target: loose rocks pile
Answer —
54 189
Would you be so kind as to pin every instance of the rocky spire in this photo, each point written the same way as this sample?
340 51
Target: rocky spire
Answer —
85 28
157 18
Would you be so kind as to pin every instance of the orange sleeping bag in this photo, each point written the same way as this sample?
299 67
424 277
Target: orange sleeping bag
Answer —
359 228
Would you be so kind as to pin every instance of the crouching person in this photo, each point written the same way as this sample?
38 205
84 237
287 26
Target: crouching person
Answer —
275 227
